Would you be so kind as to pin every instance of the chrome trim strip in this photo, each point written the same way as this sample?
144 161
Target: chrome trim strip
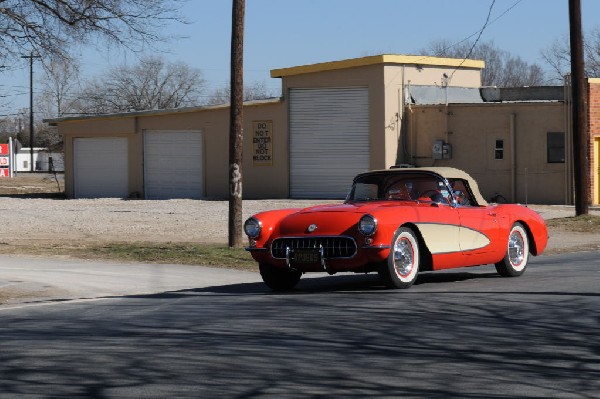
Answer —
287 257
381 246
355 246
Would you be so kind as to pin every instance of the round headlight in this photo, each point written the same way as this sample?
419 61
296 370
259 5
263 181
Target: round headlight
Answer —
252 227
367 225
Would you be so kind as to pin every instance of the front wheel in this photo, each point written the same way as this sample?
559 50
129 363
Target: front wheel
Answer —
517 253
402 266
279 278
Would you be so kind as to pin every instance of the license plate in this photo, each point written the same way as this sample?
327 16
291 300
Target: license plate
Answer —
307 256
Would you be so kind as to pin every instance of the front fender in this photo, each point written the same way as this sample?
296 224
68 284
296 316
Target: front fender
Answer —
270 220
535 225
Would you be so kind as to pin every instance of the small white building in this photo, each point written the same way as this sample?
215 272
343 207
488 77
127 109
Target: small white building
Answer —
44 160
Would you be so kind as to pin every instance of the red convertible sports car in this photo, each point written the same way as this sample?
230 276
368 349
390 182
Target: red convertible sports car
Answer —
397 222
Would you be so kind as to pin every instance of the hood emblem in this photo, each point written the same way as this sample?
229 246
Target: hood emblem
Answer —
312 228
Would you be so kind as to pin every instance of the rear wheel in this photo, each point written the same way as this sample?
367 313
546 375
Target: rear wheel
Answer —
402 266
517 253
279 278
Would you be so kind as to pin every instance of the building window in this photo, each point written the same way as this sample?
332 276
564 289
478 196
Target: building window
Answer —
556 147
499 149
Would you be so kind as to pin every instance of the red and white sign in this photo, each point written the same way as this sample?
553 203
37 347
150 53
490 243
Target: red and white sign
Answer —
3 149
4 172
4 161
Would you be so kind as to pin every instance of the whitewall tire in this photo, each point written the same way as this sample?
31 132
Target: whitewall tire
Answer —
402 266
515 260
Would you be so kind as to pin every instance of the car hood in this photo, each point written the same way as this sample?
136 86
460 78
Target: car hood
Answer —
331 219
359 207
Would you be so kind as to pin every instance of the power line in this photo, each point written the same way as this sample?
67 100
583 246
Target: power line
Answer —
485 25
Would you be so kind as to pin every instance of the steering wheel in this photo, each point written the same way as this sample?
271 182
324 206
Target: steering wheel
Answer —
434 196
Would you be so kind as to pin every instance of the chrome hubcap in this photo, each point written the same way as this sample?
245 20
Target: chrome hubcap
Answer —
516 246
403 256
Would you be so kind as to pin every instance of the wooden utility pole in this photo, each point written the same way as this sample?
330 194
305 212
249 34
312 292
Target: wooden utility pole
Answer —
236 125
31 56
581 141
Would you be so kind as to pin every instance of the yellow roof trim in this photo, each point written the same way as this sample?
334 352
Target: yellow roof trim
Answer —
594 80
376 60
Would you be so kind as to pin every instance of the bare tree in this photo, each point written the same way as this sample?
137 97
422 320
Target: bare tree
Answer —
558 55
151 84
255 91
59 88
10 126
50 28
501 67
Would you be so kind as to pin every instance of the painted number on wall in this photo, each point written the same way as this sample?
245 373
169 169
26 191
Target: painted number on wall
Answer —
262 143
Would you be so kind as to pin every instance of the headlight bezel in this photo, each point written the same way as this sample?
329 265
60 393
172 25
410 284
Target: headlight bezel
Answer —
252 227
367 225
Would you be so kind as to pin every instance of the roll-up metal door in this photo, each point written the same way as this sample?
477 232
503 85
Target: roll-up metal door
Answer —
100 167
329 140
173 164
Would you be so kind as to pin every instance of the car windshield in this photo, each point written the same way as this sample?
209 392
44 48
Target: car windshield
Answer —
399 187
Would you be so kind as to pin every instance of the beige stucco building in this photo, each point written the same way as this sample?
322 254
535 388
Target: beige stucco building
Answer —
503 146
334 120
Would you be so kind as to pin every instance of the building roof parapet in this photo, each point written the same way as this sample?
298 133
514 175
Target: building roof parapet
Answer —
378 60
430 95
523 94
169 111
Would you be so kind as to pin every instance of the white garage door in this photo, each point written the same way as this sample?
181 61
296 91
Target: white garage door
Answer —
173 164
100 167
329 140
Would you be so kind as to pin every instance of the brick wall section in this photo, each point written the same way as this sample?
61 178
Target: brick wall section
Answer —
593 118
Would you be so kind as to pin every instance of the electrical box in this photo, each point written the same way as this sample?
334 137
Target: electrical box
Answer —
437 149
441 150
446 151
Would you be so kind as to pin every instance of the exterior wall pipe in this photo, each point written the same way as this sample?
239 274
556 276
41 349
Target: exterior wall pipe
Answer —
513 158
412 143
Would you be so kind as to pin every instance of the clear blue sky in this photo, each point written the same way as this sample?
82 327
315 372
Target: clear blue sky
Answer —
284 33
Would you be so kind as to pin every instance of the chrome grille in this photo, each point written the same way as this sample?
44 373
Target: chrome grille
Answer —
333 247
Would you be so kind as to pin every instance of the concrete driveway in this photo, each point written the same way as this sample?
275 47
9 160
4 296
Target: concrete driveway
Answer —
25 281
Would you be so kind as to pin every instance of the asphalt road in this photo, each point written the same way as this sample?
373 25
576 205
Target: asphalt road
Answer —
466 333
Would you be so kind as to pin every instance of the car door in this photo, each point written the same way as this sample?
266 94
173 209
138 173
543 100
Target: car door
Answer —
479 234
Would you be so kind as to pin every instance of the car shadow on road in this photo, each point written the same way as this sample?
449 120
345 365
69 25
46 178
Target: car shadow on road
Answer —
357 283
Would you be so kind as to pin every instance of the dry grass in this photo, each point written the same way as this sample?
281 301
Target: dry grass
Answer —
579 224
214 255
36 185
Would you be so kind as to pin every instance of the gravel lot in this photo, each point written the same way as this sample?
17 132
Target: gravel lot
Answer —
114 220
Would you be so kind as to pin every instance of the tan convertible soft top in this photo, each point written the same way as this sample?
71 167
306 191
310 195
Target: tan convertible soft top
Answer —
446 172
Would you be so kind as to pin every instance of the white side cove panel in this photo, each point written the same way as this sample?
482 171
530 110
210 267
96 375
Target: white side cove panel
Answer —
329 140
100 167
446 238
173 164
